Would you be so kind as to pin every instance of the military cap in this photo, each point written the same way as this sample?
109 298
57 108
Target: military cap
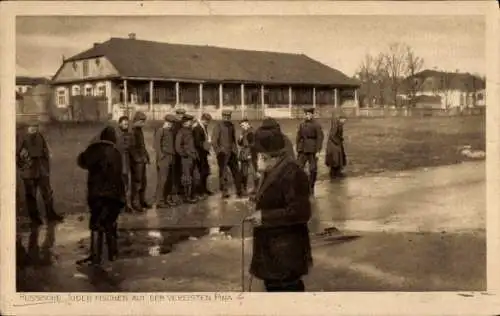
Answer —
180 111
139 116
206 117
244 120
227 112
170 118
309 110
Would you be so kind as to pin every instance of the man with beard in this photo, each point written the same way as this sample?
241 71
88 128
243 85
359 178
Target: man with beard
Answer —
335 157
139 158
224 144
202 144
165 155
247 156
105 193
33 160
281 245
124 143
309 143
184 146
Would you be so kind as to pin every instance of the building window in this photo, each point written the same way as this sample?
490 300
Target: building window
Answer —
88 90
75 66
85 68
97 61
61 97
75 90
101 90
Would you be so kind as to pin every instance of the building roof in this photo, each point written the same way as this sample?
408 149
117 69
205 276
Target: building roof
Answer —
30 81
147 59
440 80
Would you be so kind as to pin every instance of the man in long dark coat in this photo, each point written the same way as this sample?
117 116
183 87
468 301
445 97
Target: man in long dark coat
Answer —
33 160
165 157
281 244
309 143
139 158
247 156
184 146
105 193
175 183
202 144
124 143
335 157
224 144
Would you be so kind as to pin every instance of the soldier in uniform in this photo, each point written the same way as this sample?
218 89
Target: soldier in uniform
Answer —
139 158
247 155
33 160
184 146
224 144
202 144
309 143
124 143
165 155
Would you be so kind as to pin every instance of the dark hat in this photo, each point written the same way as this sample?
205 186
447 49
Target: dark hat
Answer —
187 117
139 116
227 112
309 110
180 111
244 120
206 117
170 118
269 122
108 134
269 138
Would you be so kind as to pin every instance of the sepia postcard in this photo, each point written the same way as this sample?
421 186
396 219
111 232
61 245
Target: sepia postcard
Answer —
185 157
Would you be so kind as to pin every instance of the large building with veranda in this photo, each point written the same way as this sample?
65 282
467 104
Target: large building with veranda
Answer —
128 74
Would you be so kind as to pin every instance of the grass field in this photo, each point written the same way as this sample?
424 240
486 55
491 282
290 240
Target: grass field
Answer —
372 146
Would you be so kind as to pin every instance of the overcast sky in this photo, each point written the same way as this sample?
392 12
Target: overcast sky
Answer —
448 43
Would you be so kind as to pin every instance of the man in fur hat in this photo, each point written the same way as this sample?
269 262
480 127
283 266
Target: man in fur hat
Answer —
139 158
105 193
281 244
165 158
202 144
309 143
184 146
224 144
33 160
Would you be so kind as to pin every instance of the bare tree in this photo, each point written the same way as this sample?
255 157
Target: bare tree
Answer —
395 61
414 65
366 75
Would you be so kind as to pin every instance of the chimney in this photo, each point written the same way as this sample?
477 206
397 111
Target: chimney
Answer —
95 44
131 36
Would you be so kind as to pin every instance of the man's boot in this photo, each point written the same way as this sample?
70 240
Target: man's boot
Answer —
312 182
95 249
188 194
52 216
112 242
205 186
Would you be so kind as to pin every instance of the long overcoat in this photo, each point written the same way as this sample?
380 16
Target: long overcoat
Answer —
281 245
103 161
335 154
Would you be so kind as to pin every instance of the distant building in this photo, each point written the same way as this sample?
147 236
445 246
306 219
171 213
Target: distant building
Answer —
154 77
24 84
438 89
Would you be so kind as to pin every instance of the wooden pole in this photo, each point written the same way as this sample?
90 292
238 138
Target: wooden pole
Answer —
177 96
290 101
221 99
201 99
150 95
